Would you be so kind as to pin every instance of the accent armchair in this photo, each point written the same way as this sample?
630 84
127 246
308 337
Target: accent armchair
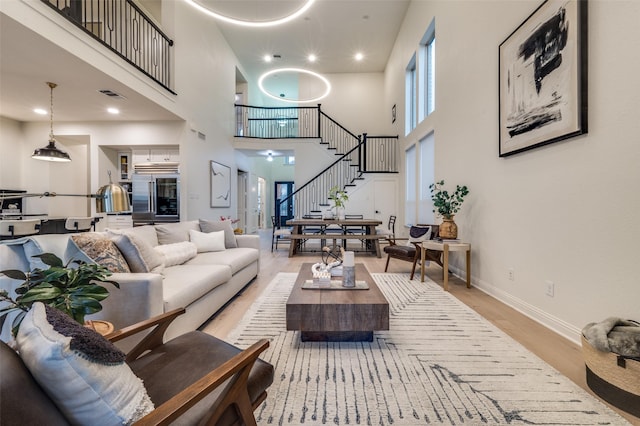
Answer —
409 252
184 377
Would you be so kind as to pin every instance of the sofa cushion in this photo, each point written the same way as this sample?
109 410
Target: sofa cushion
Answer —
207 241
170 233
82 372
146 232
220 225
182 284
140 256
50 243
177 253
99 249
236 258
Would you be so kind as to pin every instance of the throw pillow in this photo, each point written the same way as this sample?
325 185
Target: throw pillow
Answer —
418 234
170 233
140 256
177 253
207 241
221 225
81 371
101 250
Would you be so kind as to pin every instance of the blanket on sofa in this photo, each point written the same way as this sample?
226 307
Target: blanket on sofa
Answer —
615 335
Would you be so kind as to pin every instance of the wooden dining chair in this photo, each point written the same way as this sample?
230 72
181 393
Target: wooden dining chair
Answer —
279 234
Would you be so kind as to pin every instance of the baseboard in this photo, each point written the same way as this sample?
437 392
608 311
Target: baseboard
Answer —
557 325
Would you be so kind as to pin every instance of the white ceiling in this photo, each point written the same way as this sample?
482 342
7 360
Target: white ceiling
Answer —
332 29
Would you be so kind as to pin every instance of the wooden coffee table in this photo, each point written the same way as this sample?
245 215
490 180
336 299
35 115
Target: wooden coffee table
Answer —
337 315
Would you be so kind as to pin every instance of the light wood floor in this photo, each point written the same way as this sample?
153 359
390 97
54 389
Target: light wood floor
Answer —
557 351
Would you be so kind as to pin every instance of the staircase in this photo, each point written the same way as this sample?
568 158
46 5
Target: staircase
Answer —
356 155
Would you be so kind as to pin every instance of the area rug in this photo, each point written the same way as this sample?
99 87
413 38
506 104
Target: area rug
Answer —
440 363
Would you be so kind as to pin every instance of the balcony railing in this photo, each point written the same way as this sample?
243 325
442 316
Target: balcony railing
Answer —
126 30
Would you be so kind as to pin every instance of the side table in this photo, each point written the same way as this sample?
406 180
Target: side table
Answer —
101 327
445 248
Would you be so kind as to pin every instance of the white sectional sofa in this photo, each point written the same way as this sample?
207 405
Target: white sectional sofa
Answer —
166 271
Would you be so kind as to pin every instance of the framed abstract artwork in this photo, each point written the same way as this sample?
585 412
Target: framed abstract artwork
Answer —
543 78
220 184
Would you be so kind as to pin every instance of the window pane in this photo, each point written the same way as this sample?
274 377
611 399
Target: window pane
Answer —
431 76
410 196
427 159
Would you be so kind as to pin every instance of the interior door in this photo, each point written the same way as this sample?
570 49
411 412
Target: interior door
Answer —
384 199
282 191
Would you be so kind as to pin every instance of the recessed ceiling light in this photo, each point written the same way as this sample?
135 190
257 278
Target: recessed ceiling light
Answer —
40 111
267 58
359 56
113 110
272 23
312 57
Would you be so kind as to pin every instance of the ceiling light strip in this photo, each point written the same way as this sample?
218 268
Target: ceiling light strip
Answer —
299 70
272 23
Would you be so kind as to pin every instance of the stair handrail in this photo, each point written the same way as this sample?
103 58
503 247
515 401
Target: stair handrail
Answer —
361 142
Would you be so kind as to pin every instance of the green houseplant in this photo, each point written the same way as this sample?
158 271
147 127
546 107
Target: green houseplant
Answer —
447 204
75 291
339 198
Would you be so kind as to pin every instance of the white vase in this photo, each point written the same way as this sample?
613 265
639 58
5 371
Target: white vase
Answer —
340 213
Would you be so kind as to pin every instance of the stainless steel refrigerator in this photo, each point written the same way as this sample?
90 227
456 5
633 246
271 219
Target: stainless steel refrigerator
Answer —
156 198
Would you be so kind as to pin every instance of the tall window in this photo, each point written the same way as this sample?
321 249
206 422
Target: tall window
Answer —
426 167
411 96
410 185
428 71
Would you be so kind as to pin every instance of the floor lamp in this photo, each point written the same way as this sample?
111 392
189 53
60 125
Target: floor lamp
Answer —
110 198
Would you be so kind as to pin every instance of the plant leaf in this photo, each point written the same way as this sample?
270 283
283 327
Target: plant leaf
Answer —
15 274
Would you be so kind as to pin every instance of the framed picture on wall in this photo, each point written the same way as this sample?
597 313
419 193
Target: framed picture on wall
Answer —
543 78
220 184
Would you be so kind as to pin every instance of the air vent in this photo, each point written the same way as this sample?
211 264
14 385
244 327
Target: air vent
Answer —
111 94
154 168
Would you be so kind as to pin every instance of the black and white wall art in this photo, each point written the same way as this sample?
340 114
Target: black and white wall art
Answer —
220 185
543 78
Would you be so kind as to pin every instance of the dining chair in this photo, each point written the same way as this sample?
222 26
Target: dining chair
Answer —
355 229
312 229
279 234
10 229
390 231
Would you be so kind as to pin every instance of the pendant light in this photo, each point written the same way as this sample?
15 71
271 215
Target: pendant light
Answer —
51 152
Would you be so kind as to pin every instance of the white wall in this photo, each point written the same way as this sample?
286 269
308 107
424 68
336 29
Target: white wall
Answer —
205 86
566 212
10 141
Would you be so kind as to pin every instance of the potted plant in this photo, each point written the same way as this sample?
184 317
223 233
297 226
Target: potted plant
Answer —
339 198
74 291
447 205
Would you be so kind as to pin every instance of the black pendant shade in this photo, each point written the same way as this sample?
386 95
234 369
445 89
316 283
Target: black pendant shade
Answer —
51 153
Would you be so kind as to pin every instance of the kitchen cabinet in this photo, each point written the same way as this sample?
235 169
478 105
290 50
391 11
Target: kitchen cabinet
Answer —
125 166
156 155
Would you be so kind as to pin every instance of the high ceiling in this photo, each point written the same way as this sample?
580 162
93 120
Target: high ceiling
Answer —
333 30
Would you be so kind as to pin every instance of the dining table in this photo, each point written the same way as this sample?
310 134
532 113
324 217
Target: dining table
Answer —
325 229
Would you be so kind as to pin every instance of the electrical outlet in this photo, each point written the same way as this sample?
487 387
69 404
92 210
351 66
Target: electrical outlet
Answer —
550 286
511 274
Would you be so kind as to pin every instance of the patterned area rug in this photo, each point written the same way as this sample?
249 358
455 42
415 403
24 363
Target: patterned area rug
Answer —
440 363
